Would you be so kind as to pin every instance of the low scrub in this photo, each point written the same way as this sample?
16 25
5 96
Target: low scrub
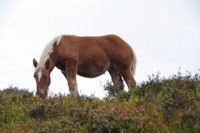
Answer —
157 105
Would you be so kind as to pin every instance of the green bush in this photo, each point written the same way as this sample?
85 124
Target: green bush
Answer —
157 105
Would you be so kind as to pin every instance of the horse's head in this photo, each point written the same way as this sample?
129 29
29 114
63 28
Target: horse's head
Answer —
42 77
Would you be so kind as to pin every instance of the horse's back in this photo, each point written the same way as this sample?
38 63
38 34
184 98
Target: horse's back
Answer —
111 44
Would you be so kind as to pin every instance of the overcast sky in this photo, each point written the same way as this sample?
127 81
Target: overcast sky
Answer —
165 35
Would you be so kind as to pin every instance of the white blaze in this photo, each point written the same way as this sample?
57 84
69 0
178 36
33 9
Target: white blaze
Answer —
39 75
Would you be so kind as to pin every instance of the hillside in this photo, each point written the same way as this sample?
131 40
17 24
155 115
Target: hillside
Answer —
157 105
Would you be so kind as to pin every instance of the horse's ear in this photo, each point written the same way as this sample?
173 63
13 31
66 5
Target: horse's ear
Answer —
47 64
35 63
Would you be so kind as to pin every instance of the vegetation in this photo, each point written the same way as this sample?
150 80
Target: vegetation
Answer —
157 105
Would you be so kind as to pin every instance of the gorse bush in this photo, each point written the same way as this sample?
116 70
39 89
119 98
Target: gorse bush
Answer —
157 105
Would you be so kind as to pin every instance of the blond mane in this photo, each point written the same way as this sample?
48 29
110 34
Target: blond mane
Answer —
47 52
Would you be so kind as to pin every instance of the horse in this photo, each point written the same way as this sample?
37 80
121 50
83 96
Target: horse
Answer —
87 56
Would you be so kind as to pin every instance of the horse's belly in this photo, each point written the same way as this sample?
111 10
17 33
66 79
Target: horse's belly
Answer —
92 70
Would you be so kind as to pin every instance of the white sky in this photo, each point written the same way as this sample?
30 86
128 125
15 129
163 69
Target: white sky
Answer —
165 35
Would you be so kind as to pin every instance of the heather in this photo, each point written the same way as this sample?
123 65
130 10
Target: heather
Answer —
157 105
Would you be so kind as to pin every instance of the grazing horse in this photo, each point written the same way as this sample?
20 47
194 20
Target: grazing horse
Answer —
85 56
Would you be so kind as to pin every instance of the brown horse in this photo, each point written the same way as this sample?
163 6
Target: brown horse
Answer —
88 57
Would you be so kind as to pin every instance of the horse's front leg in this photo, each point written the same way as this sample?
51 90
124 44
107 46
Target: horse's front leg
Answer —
70 73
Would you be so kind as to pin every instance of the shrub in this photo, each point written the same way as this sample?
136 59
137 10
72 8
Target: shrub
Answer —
157 105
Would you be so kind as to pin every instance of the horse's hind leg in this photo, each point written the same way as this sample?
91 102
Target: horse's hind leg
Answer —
116 78
128 77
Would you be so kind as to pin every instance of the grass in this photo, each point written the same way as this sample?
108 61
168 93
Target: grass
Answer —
157 105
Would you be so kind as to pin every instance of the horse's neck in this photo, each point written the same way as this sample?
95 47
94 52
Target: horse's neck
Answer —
52 66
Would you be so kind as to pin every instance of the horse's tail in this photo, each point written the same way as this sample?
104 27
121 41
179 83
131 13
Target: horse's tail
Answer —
133 65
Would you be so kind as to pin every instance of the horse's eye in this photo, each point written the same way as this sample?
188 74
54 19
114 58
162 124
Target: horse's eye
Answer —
45 76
